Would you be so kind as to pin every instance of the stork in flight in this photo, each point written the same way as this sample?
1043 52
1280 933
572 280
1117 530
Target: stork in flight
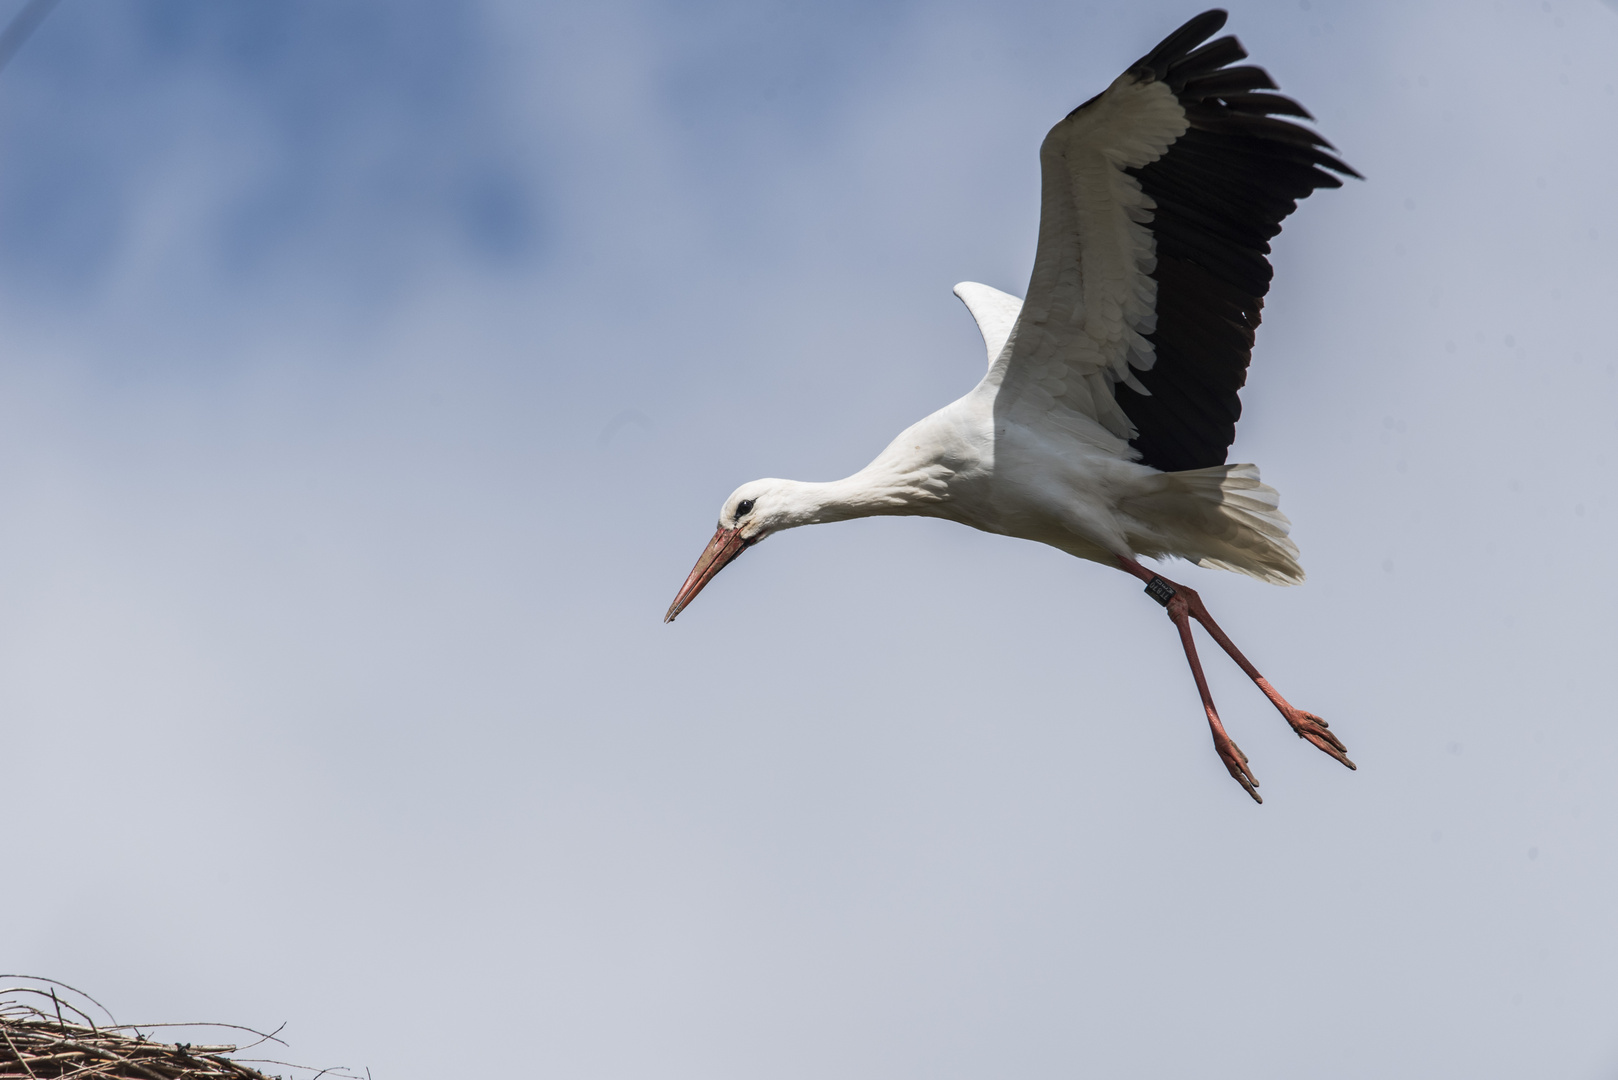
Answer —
1110 401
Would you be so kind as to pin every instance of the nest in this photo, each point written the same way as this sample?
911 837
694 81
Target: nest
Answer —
47 1032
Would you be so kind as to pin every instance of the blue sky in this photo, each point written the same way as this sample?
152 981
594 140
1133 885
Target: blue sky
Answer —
373 373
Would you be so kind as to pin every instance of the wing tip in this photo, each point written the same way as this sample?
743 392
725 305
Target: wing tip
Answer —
970 292
1193 32
994 311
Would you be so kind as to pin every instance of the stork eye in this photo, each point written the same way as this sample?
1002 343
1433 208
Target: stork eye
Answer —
744 508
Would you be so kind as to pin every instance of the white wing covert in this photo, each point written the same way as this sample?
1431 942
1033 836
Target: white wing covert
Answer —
1091 298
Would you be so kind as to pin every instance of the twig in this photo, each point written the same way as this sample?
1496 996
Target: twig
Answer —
20 1058
39 1043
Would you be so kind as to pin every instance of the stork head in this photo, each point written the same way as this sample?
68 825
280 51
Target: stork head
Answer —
752 512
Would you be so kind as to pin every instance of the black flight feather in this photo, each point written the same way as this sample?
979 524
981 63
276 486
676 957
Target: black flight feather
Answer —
1182 41
1220 193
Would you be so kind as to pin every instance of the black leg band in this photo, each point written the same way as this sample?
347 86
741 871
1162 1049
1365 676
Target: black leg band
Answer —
1160 590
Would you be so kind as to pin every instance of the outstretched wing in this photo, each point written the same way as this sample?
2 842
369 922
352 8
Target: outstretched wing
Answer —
1160 196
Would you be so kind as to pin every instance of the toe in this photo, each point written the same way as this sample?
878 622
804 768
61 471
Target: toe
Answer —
1236 764
1317 731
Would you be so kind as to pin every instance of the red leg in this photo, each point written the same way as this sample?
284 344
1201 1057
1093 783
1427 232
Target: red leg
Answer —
1306 725
1231 754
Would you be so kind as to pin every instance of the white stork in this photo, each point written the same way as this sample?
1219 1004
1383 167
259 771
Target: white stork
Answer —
1110 401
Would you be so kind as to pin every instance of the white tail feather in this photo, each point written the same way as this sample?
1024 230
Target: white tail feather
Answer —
1224 517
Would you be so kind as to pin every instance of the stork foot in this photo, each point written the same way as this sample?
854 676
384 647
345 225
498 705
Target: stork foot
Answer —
1236 762
1315 730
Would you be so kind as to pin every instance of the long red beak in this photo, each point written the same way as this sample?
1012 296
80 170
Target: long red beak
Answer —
725 546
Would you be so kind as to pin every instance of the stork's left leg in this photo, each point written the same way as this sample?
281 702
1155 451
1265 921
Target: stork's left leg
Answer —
1307 725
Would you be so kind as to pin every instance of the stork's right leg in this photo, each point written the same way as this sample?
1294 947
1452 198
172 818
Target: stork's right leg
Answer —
1235 761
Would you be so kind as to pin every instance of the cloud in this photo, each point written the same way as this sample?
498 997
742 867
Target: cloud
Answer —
171 149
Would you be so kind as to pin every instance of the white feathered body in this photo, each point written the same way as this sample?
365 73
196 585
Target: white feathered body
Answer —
1076 495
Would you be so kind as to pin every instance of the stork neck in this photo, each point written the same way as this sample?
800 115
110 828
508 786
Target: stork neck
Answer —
875 490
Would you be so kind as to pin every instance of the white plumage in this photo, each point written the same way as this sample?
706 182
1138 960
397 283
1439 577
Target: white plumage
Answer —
1219 517
1102 423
